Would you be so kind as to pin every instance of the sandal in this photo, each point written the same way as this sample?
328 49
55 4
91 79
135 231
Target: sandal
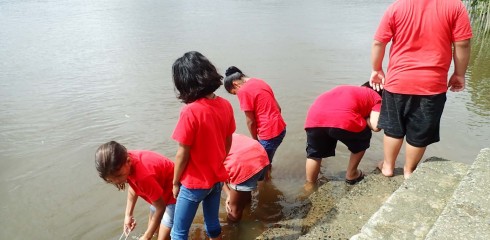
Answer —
354 181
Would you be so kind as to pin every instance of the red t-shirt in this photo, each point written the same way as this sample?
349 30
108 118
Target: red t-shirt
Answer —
151 176
422 33
257 96
344 107
204 125
246 158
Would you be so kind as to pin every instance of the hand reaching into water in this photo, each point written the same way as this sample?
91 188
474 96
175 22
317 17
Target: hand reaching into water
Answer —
377 80
129 224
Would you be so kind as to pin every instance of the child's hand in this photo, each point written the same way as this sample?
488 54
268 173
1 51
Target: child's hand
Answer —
129 224
176 190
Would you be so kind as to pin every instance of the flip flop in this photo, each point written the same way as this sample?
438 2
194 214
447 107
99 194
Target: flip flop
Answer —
354 181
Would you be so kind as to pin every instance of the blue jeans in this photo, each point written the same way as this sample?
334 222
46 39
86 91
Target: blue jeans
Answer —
271 145
186 207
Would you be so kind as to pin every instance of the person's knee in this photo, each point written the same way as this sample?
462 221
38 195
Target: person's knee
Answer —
235 215
235 211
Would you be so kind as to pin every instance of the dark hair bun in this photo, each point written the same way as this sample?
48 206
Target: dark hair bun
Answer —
232 70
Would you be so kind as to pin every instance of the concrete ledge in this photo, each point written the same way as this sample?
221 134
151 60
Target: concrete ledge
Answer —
412 209
467 215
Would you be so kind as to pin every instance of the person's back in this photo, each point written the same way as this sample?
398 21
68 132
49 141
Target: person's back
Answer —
246 158
212 121
422 33
257 96
149 170
349 105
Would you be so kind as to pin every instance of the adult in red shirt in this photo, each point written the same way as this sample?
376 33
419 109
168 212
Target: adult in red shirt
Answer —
422 33
346 114
263 113
203 131
149 176
246 164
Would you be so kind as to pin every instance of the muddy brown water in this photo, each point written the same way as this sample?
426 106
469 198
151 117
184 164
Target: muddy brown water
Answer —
75 74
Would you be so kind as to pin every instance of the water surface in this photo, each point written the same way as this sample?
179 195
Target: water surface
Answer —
75 74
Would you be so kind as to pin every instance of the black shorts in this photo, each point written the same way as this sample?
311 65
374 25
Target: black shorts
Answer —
322 141
415 116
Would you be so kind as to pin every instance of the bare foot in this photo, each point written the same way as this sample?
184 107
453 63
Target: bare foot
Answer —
406 174
309 187
387 172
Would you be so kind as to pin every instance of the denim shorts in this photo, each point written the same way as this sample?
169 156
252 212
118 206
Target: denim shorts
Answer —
416 117
188 201
271 145
250 184
168 216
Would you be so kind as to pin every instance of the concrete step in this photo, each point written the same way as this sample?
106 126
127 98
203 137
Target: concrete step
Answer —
467 215
336 210
410 212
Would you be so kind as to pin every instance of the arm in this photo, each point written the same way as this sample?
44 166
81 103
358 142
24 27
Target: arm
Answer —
251 124
461 58
155 220
227 190
377 79
228 142
181 160
129 223
372 121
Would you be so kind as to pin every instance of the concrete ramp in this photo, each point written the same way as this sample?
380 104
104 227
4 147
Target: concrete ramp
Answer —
441 200
467 215
412 210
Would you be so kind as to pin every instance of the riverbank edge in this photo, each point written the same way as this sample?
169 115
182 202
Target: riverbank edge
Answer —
411 208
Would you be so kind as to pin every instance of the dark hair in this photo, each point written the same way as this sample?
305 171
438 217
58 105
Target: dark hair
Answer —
232 74
109 158
194 77
366 84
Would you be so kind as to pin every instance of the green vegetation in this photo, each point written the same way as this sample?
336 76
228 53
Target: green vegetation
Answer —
479 11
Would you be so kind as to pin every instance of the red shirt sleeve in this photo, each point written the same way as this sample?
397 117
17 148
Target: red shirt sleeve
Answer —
385 30
462 27
184 131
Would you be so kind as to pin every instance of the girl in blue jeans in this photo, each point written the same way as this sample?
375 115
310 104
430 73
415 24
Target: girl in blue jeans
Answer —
204 133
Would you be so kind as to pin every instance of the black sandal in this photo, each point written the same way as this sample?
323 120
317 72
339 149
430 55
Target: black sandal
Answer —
354 181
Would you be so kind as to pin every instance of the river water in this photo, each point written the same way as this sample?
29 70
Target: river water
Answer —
75 74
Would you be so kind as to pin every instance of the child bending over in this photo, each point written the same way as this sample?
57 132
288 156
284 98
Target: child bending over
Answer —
149 176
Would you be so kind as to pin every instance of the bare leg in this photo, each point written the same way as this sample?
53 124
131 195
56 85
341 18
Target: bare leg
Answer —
150 215
238 200
312 169
413 156
268 173
355 159
164 233
391 149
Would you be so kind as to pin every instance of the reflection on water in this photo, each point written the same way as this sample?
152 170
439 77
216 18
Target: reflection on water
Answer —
479 75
